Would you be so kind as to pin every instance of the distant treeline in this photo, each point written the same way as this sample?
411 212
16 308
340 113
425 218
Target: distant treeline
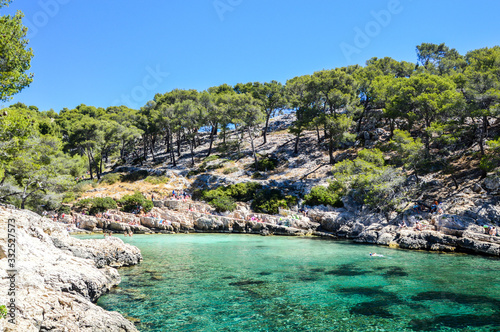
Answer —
446 101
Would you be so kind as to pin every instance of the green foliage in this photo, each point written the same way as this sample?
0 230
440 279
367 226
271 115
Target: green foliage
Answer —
257 175
102 204
242 192
230 170
410 152
331 195
111 178
157 179
15 56
369 182
69 197
97 204
131 203
223 196
85 203
223 204
3 311
135 176
64 209
211 158
270 200
267 164
489 163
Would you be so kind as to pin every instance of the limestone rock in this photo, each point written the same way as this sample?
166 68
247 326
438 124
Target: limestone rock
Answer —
57 288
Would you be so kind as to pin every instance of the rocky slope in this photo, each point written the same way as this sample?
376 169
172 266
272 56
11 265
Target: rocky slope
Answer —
60 278
469 199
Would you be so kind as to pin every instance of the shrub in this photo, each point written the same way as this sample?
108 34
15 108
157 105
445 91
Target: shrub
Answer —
82 186
211 158
102 204
270 200
242 192
321 195
230 170
157 179
64 209
97 204
369 182
257 175
111 178
85 203
223 203
267 164
69 197
130 203
135 176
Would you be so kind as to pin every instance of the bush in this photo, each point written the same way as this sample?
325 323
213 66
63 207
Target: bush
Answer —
242 192
157 179
230 170
97 204
257 175
370 183
321 195
85 203
211 158
64 209
223 204
102 204
135 176
131 203
270 200
111 178
267 164
69 197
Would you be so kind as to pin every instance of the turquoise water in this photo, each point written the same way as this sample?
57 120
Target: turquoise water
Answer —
217 282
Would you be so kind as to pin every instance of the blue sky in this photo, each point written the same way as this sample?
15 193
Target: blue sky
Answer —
111 52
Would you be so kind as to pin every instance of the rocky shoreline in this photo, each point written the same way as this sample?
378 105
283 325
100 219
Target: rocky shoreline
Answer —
59 278
451 232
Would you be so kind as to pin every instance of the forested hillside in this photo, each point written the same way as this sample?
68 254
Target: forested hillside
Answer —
439 114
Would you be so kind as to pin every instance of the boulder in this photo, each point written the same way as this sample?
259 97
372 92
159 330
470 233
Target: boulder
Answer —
491 183
56 284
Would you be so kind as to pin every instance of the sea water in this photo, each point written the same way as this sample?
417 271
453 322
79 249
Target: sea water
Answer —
226 282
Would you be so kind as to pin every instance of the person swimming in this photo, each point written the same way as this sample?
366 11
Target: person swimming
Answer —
374 254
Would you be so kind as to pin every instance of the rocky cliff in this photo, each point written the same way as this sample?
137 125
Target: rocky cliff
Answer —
59 278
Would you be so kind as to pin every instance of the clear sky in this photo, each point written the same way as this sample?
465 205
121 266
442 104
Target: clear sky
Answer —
122 52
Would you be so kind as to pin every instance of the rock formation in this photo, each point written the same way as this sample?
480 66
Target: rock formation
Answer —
59 277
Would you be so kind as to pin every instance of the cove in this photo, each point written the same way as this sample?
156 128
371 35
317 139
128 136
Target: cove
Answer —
217 282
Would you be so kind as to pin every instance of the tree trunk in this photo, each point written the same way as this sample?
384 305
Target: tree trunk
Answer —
172 152
213 132
330 150
268 115
317 133
89 156
178 143
253 149
296 147
152 147
145 147
482 134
